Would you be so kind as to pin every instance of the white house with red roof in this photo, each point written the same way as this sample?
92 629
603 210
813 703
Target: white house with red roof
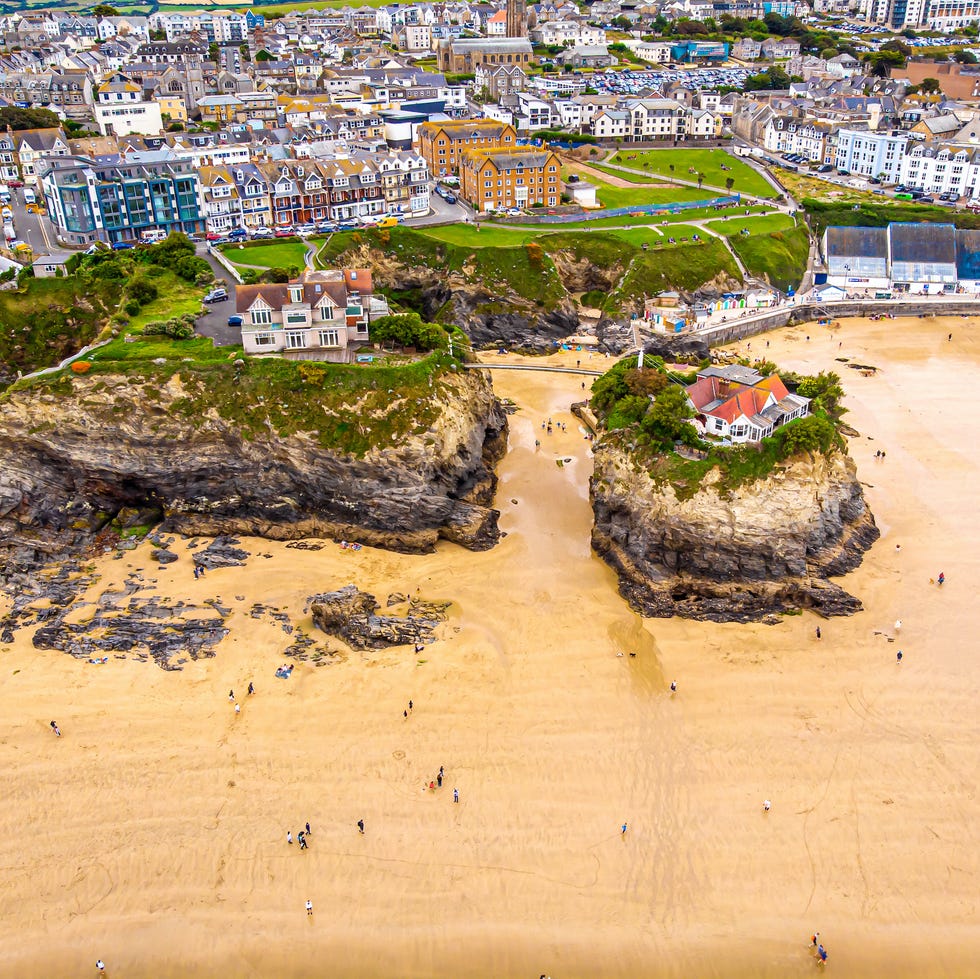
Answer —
738 404
319 316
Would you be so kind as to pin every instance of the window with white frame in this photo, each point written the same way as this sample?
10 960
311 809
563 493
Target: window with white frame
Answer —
326 313
329 338
295 340
261 317
264 339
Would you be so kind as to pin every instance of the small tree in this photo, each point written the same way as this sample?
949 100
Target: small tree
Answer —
729 183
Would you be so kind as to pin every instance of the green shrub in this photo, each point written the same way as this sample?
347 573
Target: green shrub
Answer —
408 330
132 306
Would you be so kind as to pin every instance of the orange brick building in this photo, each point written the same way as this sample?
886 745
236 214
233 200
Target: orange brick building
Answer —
441 143
509 178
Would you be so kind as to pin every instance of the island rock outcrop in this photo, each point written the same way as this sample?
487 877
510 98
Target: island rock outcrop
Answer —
766 547
72 459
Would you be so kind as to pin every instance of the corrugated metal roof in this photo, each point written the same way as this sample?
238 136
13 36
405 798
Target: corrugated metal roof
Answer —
968 254
857 242
923 243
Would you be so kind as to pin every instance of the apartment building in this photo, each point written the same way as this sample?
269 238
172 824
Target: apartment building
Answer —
442 143
871 154
92 201
322 315
495 178
120 109
636 120
808 137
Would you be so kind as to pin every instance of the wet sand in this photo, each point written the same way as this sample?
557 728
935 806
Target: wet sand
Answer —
152 834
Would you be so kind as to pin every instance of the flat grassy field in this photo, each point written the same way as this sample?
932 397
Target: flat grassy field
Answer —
707 162
489 235
760 224
279 254
612 197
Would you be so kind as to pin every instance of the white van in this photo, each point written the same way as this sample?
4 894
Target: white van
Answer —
29 196
153 237
8 232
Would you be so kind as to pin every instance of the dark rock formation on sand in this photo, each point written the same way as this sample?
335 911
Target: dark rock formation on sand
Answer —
71 461
766 547
349 614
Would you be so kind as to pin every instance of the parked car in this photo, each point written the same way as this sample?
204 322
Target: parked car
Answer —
218 295
328 227
153 237
347 225
826 168
874 180
389 222
237 234
305 230
118 246
15 183
284 233
213 236
236 320
449 198
262 233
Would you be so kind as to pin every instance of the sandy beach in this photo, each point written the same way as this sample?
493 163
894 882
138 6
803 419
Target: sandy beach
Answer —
152 834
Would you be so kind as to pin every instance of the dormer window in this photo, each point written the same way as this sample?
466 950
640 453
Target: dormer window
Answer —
295 294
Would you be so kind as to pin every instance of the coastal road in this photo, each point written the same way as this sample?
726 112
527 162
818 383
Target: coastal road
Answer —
37 231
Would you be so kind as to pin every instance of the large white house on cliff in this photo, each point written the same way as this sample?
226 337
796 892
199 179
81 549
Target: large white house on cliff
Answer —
739 404
319 316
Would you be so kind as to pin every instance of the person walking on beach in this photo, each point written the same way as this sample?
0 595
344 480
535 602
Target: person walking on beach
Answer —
238 708
899 657
673 686
231 695
100 965
439 780
821 955
941 578
56 729
301 839
360 826
309 832
818 632
289 837
410 705
309 909
251 689
815 939
766 805
622 831
455 795
195 572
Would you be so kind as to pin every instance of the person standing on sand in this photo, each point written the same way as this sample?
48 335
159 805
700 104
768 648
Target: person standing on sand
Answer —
56 729
623 830
941 578
410 705
309 909
455 795
238 708
673 686
100 965
251 689
766 806
309 832
899 656
231 695
818 632
289 837
360 826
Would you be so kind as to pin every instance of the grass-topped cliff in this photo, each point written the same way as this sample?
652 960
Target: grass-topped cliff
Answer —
540 271
706 530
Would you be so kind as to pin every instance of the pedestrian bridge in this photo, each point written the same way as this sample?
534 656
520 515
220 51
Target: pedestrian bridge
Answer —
534 367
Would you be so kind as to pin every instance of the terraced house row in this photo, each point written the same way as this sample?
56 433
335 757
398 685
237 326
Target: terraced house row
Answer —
90 199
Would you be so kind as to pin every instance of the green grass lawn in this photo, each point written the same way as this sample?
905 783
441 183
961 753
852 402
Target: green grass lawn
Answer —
175 298
278 254
760 224
780 257
708 162
488 235
613 197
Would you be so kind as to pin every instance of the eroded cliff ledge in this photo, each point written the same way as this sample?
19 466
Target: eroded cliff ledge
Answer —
766 547
221 452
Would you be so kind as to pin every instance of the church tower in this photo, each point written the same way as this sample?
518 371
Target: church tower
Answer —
517 18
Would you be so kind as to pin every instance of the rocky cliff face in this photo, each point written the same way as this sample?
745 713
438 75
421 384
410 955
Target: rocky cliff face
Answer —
766 547
69 462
